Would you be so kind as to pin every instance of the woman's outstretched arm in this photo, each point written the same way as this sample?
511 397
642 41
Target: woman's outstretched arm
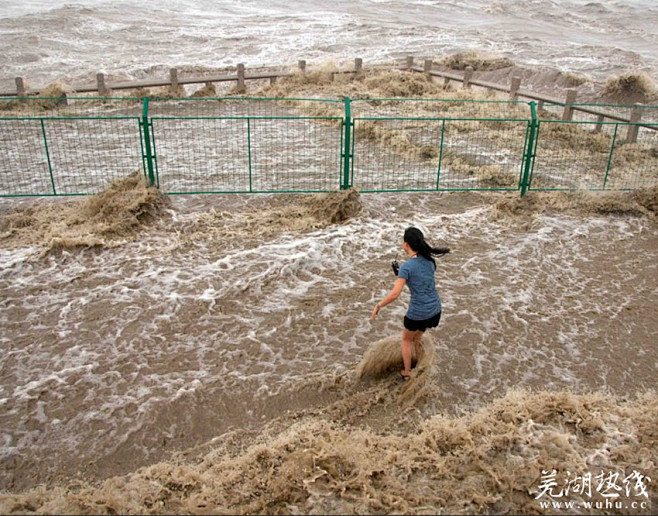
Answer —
392 296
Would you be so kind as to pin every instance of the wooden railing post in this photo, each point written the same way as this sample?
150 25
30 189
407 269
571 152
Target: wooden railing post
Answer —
599 124
468 75
20 87
514 88
427 66
302 65
173 78
410 62
100 82
633 130
241 87
567 114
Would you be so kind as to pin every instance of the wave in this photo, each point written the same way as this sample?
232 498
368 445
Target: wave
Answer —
488 460
115 215
643 203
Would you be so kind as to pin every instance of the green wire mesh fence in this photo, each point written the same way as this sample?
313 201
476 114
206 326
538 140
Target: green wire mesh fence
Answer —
56 147
421 144
247 145
80 145
590 154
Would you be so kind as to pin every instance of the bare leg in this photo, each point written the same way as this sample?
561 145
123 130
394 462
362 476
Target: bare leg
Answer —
407 348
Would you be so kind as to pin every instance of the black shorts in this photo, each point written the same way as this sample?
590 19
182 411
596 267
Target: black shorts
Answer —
413 325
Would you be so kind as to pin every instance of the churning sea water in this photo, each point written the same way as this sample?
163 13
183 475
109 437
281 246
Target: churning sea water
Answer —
45 41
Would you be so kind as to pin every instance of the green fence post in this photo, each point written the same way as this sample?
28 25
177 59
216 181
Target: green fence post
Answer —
525 182
147 141
154 154
612 149
249 151
438 172
141 145
50 168
353 141
345 183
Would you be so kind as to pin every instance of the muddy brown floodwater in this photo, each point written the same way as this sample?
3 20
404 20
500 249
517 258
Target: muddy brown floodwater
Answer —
215 354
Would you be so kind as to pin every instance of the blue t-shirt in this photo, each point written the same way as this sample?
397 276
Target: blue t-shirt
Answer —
425 301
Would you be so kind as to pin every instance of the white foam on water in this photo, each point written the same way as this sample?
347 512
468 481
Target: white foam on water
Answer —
11 257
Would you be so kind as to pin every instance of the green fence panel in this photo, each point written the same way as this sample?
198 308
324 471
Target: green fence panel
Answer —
634 165
24 168
570 156
589 152
88 154
575 155
217 161
68 146
437 144
247 145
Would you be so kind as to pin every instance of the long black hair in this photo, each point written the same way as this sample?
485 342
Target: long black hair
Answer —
414 237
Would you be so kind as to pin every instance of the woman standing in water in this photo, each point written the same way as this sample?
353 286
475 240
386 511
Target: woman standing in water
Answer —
425 306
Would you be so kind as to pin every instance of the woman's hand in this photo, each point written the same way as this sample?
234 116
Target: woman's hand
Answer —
375 311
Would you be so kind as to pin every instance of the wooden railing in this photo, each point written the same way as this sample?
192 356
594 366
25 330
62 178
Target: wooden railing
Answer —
173 82
513 90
